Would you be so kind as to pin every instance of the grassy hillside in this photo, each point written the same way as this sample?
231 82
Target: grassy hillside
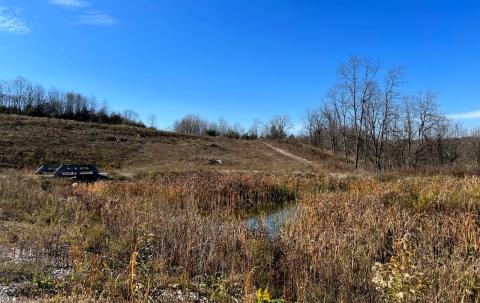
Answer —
26 142
237 235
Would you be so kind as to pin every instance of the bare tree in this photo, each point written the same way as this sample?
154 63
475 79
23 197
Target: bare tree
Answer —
340 106
447 141
23 97
152 120
314 125
235 131
279 127
332 123
421 117
191 124
475 146
222 127
19 86
365 116
3 94
254 130
358 81
380 113
130 115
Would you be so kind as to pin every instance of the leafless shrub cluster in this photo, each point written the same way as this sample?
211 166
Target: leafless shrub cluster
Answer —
278 127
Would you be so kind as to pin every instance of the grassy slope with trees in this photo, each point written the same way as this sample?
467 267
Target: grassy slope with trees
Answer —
179 231
23 97
26 142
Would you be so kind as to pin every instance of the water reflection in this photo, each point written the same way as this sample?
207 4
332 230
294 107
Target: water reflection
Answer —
273 219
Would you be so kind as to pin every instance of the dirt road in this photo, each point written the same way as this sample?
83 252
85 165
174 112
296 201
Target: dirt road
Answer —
288 154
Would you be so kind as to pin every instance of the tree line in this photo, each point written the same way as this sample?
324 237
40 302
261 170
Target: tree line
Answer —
367 119
277 128
20 96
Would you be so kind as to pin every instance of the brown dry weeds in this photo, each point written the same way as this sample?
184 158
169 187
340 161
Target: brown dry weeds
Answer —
355 240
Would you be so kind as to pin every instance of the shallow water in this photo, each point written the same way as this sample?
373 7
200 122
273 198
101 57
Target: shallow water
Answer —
273 219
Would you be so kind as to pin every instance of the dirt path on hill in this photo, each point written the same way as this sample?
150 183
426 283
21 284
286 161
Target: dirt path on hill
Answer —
288 154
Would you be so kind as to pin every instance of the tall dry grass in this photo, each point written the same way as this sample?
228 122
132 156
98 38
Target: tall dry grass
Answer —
181 228
204 191
414 239
338 238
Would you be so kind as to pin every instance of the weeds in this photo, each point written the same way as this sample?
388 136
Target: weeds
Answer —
399 280
133 240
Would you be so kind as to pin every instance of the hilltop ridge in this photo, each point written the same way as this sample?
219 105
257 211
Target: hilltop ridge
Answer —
26 142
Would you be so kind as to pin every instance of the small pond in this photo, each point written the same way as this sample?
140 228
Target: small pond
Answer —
273 219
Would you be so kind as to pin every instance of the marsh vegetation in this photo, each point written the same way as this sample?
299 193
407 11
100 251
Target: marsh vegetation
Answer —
352 239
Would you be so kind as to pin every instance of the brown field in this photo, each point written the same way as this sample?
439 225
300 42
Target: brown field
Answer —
182 231
26 142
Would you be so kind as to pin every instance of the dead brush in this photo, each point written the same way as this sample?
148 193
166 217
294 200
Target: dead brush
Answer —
338 237
208 191
131 239
399 280
184 238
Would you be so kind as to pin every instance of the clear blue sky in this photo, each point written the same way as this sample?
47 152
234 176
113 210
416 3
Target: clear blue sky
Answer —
238 59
